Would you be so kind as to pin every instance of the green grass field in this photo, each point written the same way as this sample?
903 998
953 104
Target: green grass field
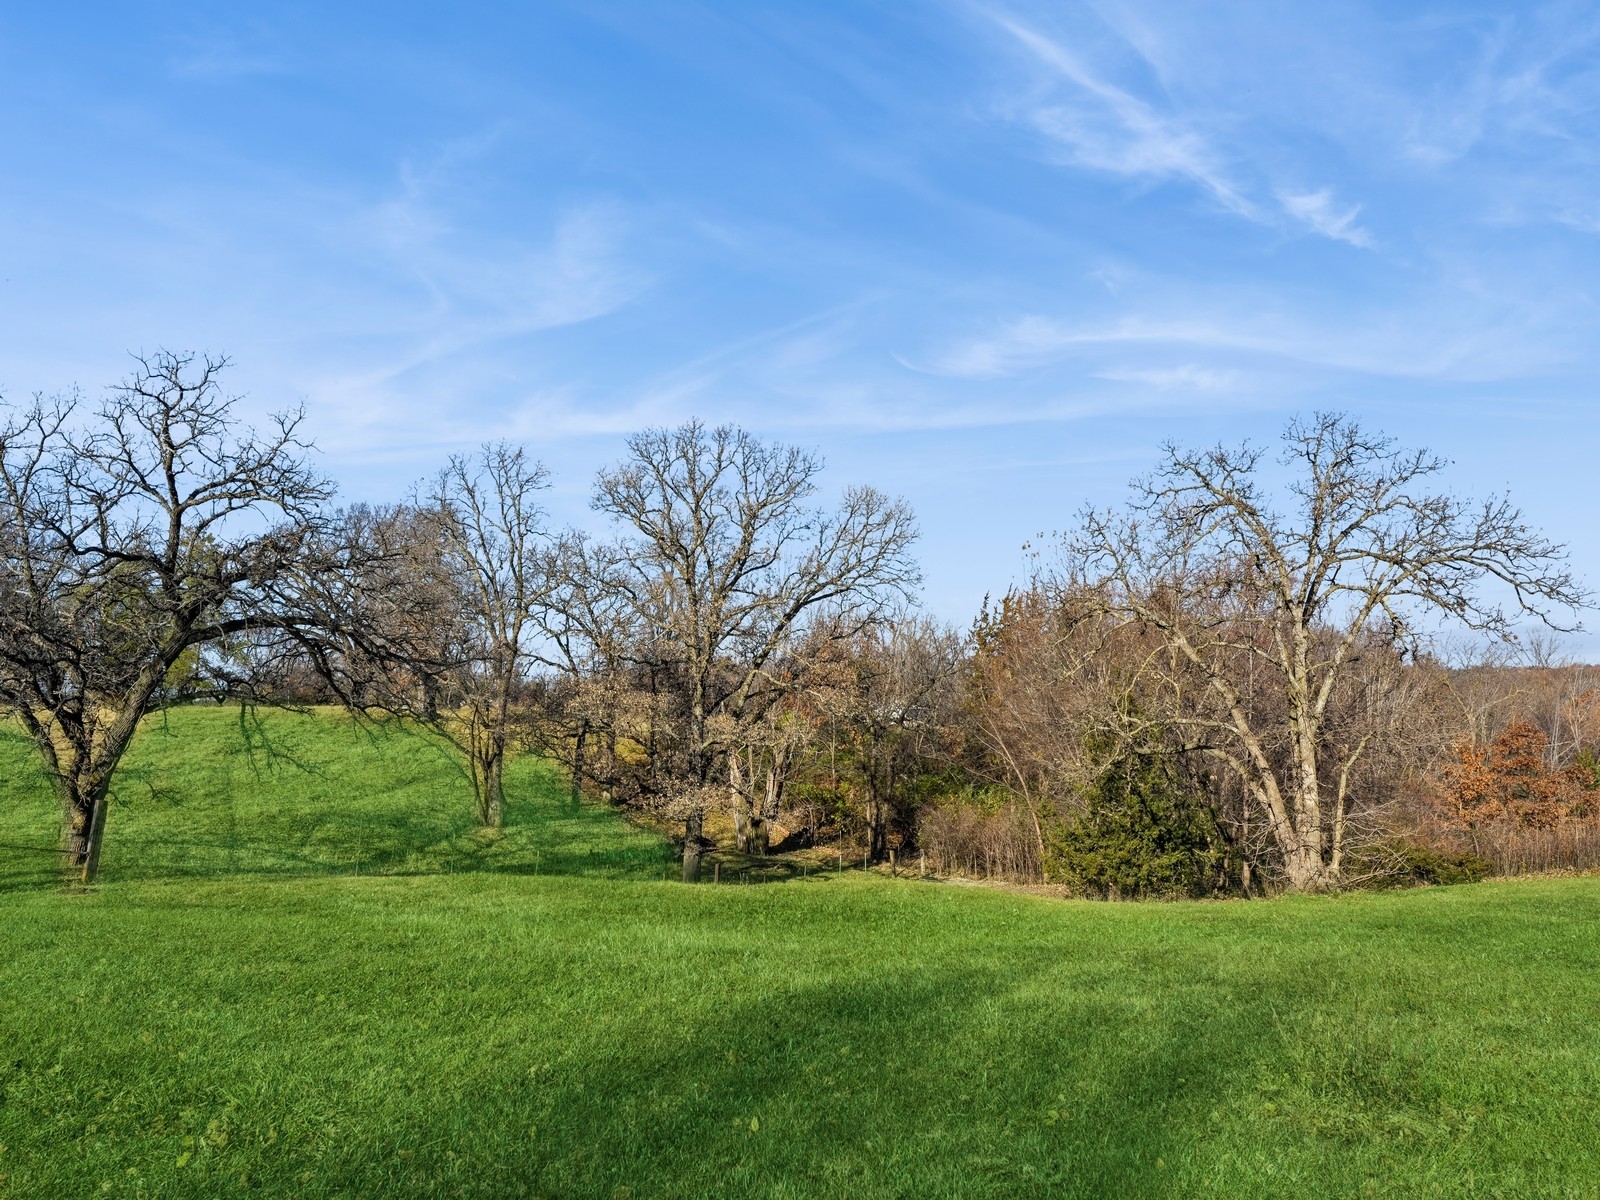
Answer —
304 975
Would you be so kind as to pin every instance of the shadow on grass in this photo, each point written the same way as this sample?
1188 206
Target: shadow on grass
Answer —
210 792
535 840
204 795
730 867
894 1086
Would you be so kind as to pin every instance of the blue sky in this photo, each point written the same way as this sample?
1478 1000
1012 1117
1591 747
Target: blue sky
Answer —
985 256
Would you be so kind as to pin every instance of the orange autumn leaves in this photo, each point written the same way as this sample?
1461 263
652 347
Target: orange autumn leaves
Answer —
1511 782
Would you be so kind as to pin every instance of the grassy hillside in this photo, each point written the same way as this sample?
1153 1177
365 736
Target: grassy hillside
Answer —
211 791
552 1018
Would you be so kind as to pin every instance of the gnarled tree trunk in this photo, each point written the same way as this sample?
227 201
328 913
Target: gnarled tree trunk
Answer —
492 802
85 801
693 846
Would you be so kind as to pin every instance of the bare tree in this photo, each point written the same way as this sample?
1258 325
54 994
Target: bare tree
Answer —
589 643
130 538
492 534
1051 685
722 561
440 622
760 769
1265 610
888 699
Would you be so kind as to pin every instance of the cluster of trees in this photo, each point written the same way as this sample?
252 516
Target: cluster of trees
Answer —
156 551
1517 785
1428 760
1218 687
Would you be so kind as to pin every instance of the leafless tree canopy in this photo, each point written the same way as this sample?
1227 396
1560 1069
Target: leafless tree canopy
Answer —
136 535
720 563
438 609
1245 594
1223 685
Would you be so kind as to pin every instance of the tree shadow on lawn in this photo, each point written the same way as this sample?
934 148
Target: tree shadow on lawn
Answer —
897 1086
402 841
1068 1070
1029 1074
242 812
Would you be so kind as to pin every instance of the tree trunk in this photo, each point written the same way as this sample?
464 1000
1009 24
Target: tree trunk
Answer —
1304 867
877 827
86 827
743 810
702 761
577 764
1306 859
80 821
492 797
772 802
762 815
85 768
1296 834
693 847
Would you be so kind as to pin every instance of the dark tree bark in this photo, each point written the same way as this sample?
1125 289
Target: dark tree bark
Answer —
155 531
578 741
694 845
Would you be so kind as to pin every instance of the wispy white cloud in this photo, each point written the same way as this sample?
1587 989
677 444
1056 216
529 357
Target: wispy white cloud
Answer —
1109 128
1583 220
1033 342
457 296
1115 131
1027 342
496 286
226 56
1528 76
1322 214
1189 377
1471 340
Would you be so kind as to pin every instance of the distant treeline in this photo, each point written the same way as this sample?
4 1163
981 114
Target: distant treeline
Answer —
1220 688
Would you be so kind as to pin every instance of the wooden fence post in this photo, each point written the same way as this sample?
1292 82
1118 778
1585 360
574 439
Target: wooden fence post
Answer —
91 860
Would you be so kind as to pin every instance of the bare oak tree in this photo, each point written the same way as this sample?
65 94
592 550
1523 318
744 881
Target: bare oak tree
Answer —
886 697
588 641
1250 597
721 563
439 620
493 536
130 538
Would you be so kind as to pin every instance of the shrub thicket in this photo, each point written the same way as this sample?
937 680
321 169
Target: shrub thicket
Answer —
1142 833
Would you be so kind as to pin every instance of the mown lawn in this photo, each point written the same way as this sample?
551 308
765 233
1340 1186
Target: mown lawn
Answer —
236 1011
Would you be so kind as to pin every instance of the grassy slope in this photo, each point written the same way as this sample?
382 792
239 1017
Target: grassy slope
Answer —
213 792
592 1030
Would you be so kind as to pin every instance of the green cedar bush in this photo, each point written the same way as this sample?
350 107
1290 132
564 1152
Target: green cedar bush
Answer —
1142 834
